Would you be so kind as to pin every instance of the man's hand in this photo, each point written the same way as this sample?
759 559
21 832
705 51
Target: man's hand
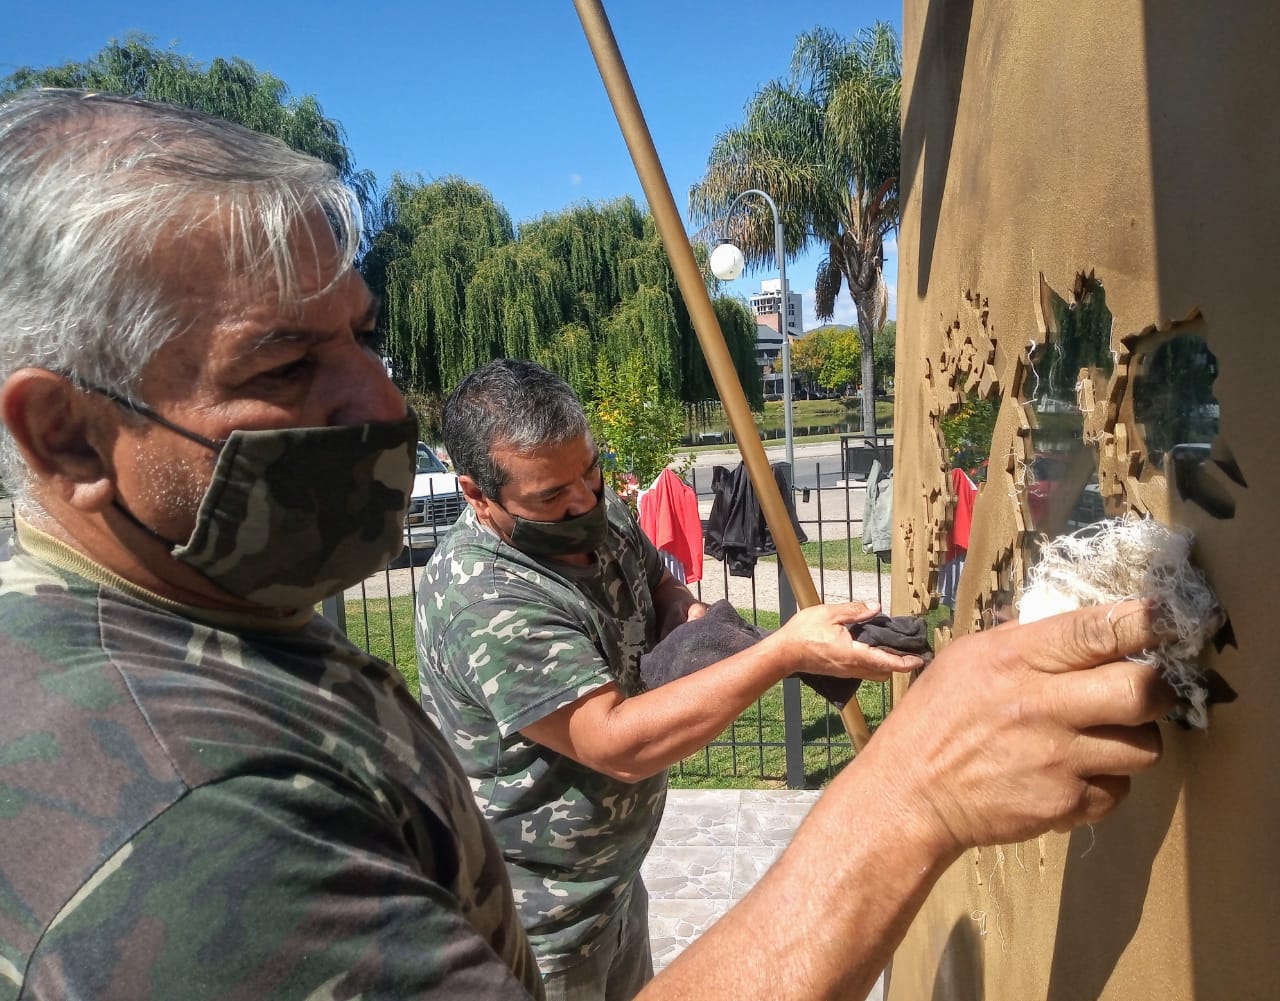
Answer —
675 605
817 640
1023 729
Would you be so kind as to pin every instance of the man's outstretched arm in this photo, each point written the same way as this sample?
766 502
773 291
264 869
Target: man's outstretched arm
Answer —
633 738
1008 734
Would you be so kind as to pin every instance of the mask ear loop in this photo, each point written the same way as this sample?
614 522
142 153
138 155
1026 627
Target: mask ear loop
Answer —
142 410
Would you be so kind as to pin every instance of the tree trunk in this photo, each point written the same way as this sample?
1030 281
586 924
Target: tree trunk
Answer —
866 310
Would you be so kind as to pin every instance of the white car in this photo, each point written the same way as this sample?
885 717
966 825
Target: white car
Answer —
435 504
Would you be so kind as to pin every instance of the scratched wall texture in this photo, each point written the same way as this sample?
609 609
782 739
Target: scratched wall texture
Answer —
1098 184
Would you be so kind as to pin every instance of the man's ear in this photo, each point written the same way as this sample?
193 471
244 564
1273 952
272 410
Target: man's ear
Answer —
474 495
52 424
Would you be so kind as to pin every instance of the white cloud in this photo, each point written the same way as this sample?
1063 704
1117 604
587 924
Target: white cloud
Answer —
845 313
575 179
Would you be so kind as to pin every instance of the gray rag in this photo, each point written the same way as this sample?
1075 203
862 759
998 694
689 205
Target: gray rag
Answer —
722 632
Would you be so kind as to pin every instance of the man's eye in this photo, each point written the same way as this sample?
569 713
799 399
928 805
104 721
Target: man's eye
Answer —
290 370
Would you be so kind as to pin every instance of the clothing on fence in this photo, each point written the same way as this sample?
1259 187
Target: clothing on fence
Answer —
966 492
736 530
668 514
877 512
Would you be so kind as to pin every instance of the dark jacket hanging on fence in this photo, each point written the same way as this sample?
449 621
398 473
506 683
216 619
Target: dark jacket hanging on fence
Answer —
736 531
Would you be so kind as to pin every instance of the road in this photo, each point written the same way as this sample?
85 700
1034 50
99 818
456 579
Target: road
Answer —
819 461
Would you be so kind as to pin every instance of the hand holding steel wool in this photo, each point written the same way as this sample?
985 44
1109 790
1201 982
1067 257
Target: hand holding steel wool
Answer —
1132 557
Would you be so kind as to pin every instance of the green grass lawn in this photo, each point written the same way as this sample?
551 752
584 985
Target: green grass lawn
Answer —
803 412
385 629
836 554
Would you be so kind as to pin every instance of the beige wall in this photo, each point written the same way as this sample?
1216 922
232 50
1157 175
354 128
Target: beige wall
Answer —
1140 143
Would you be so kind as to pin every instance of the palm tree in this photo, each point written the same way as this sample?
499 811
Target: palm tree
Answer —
825 144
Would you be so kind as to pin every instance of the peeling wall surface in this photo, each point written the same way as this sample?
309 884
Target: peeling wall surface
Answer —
1087 290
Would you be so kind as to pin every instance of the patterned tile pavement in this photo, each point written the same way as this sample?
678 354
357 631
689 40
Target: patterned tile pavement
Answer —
712 847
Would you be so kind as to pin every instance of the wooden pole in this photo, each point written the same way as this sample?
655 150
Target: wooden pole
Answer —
617 82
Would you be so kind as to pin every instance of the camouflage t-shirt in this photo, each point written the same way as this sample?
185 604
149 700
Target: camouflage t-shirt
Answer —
505 639
191 809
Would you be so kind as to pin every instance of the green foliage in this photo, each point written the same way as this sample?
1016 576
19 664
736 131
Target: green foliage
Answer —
843 361
825 144
461 286
967 433
434 240
637 428
829 357
229 88
885 355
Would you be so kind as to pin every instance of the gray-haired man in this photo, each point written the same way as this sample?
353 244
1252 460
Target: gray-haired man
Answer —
205 789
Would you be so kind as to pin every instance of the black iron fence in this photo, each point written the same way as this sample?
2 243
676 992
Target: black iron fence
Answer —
791 735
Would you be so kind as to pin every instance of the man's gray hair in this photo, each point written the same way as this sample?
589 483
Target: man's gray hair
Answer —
510 404
91 185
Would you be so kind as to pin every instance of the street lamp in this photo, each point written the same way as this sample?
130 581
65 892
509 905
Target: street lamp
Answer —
726 264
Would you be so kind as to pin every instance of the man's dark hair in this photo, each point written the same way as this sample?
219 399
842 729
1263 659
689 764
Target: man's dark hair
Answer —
509 403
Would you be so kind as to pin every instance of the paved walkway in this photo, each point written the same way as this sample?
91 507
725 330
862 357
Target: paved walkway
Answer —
712 847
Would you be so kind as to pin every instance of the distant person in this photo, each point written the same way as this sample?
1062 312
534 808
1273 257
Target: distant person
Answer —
208 792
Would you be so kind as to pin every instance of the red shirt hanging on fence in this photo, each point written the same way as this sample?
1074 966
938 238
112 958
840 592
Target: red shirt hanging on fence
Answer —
669 516
966 492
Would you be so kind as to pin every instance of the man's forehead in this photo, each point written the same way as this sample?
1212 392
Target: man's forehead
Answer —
228 320
549 463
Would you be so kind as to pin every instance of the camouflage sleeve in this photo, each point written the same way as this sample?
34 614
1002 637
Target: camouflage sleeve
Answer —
522 657
269 887
653 568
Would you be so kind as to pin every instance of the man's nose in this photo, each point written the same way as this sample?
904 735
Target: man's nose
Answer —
361 391
584 497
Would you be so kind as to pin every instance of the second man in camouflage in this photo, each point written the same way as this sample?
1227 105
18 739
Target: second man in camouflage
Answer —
533 615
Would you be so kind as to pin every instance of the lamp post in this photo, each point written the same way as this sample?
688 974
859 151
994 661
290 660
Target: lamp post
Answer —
727 263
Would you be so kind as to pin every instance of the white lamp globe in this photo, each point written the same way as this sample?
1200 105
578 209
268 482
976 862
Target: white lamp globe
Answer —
726 262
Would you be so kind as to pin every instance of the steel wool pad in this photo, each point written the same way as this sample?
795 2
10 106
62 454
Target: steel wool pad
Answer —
1132 557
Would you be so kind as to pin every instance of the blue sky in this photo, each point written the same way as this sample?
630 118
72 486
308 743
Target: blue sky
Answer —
502 92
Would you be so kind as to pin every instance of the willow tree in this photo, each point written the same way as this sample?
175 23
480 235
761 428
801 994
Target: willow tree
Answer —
572 288
229 88
434 239
825 144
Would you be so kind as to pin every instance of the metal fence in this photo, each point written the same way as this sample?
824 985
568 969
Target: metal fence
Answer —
791 735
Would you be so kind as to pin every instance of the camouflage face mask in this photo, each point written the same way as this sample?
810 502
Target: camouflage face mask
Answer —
294 515
583 533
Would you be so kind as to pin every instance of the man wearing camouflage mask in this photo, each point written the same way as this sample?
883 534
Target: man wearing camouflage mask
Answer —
534 614
207 790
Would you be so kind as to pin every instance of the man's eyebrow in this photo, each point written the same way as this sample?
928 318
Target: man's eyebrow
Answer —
304 335
550 492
